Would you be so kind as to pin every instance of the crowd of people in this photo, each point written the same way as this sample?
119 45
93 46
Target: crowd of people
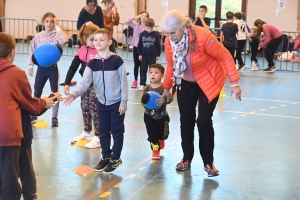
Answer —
197 66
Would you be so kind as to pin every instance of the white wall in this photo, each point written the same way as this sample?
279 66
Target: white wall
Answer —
266 10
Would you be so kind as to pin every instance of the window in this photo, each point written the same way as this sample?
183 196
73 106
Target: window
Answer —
216 9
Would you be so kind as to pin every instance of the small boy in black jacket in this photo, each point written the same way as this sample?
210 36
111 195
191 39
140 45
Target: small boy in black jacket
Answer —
149 49
254 43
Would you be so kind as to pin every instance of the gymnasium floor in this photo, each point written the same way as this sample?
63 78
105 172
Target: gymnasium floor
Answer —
256 152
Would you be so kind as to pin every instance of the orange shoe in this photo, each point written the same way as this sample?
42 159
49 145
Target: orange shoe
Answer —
161 144
73 83
155 155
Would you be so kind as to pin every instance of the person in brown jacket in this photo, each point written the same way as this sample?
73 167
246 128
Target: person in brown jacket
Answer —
111 19
16 96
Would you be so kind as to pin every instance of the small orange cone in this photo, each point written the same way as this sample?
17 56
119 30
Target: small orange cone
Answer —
83 170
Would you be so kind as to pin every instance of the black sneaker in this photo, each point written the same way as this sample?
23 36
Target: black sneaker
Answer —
112 166
102 164
242 66
268 70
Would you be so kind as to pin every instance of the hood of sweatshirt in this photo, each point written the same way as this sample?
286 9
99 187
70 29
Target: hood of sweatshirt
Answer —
5 64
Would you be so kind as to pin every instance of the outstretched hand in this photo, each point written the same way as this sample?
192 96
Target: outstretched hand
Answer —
236 92
70 98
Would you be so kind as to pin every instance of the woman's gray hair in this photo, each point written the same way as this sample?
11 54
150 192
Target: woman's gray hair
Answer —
173 21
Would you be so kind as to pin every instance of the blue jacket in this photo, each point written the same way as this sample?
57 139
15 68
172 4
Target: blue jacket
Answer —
109 79
149 44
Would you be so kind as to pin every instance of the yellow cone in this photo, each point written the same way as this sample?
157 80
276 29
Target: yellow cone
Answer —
40 124
222 94
81 143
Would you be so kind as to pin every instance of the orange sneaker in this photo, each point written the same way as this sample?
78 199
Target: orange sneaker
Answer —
155 155
161 144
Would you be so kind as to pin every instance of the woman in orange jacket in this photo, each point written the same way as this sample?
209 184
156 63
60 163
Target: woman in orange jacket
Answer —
198 64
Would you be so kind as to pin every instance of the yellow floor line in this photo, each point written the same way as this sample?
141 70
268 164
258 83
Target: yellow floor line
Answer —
105 194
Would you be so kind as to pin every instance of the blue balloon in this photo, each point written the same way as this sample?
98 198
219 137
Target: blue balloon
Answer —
46 55
149 100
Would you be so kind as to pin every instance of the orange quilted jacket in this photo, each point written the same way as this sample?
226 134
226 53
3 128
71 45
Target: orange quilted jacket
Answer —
210 62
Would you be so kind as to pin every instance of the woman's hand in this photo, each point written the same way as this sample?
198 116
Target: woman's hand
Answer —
122 110
30 71
49 102
66 89
115 9
236 92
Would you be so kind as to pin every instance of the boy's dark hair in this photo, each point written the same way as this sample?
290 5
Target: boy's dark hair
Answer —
204 7
238 15
229 15
159 67
7 44
150 23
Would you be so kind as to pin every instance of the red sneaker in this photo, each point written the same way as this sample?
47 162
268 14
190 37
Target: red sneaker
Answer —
155 155
134 84
161 144
73 83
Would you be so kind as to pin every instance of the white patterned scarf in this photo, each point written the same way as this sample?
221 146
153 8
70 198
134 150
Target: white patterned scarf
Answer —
180 49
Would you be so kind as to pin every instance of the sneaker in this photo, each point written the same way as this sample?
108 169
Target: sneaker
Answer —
112 166
141 88
254 66
54 121
94 143
211 170
84 135
33 119
155 154
102 164
134 84
161 144
241 67
273 68
183 165
268 70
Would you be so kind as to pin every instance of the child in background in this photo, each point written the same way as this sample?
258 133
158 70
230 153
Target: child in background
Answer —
200 19
15 152
88 98
149 49
241 39
254 43
107 73
51 34
138 28
157 121
228 34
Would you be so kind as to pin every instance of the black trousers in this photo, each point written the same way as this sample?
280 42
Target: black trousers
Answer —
254 51
9 173
146 62
239 49
231 50
271 49
188 95
137 63
27 174
157 129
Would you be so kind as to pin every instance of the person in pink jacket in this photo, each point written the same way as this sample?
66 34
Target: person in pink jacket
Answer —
271 41
198 64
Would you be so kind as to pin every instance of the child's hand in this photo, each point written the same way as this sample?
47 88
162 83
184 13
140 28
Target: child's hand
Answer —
56 23
66 89
138 17
69 100
140 57
56 96
30 71
122 110
157 58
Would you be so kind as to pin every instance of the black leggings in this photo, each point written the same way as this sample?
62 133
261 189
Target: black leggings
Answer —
271 49
137 63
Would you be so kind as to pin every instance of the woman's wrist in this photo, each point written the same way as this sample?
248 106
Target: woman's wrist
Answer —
234 85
